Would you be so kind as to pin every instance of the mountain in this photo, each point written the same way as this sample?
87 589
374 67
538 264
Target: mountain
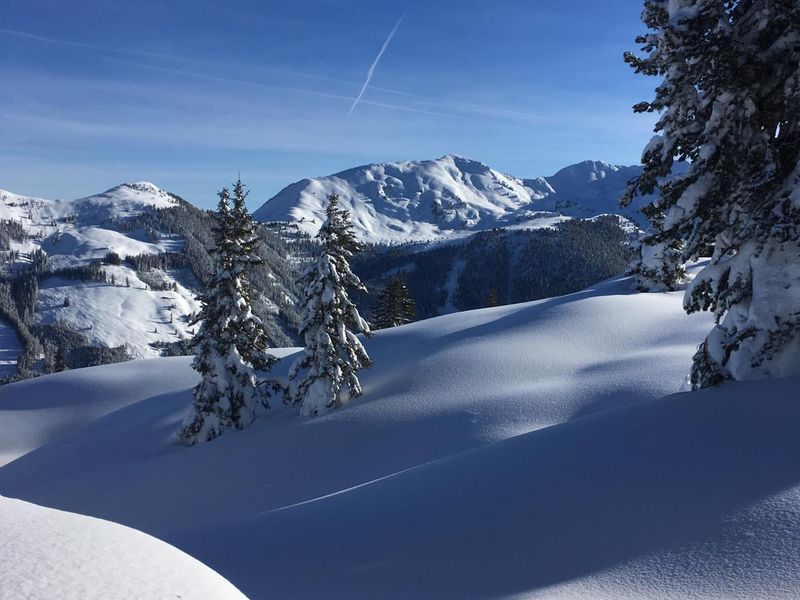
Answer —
451 197
590 188
538 450
77 231
118 270
407 201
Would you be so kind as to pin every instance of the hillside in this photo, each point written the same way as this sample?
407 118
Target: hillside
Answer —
529 450
116 275
450 197
591 188
510 265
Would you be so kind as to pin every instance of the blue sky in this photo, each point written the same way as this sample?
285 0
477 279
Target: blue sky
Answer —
187 94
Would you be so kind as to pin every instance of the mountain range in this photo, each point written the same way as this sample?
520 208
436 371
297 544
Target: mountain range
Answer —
453 196
122 269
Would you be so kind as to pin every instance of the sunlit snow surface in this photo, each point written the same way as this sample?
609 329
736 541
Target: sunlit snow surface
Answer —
529 451
76 232
49 554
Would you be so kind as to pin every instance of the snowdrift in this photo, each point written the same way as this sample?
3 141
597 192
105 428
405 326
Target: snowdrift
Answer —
533 450
49 554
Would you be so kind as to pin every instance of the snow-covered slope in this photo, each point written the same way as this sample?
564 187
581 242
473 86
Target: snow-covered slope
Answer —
44 218
450 197
76 232
37 412
523 451
590 188
407 201
47 554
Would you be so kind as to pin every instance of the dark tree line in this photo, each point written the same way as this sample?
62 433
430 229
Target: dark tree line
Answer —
507 266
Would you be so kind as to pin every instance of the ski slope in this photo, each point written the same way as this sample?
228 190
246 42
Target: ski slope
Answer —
537 450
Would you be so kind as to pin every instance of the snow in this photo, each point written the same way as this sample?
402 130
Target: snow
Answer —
452 196
49 554
77 232
537 450
116 315
37 412
83 244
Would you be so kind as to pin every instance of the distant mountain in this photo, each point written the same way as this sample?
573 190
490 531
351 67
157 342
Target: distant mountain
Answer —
74 232
450 197
590 188
118 270
408 201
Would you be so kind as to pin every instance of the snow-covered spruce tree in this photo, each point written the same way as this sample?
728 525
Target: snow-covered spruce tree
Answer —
394 305
324 377
231 345
658 266
729 104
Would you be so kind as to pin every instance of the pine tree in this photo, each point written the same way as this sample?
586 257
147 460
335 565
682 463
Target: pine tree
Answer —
394 305
324 377
491 299
231 345
729 105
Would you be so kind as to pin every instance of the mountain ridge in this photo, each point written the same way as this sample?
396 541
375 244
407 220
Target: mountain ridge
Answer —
452 196
120 269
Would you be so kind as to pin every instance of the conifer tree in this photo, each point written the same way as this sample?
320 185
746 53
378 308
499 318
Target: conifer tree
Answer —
324 377
394 306
729 104
231 345
491 299
658 266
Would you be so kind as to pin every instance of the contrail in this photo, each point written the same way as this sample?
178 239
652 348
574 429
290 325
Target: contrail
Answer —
371 71
115 49
448 105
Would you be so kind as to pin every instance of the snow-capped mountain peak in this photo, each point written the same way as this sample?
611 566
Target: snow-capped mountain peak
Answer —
126 199
595 168
448 197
